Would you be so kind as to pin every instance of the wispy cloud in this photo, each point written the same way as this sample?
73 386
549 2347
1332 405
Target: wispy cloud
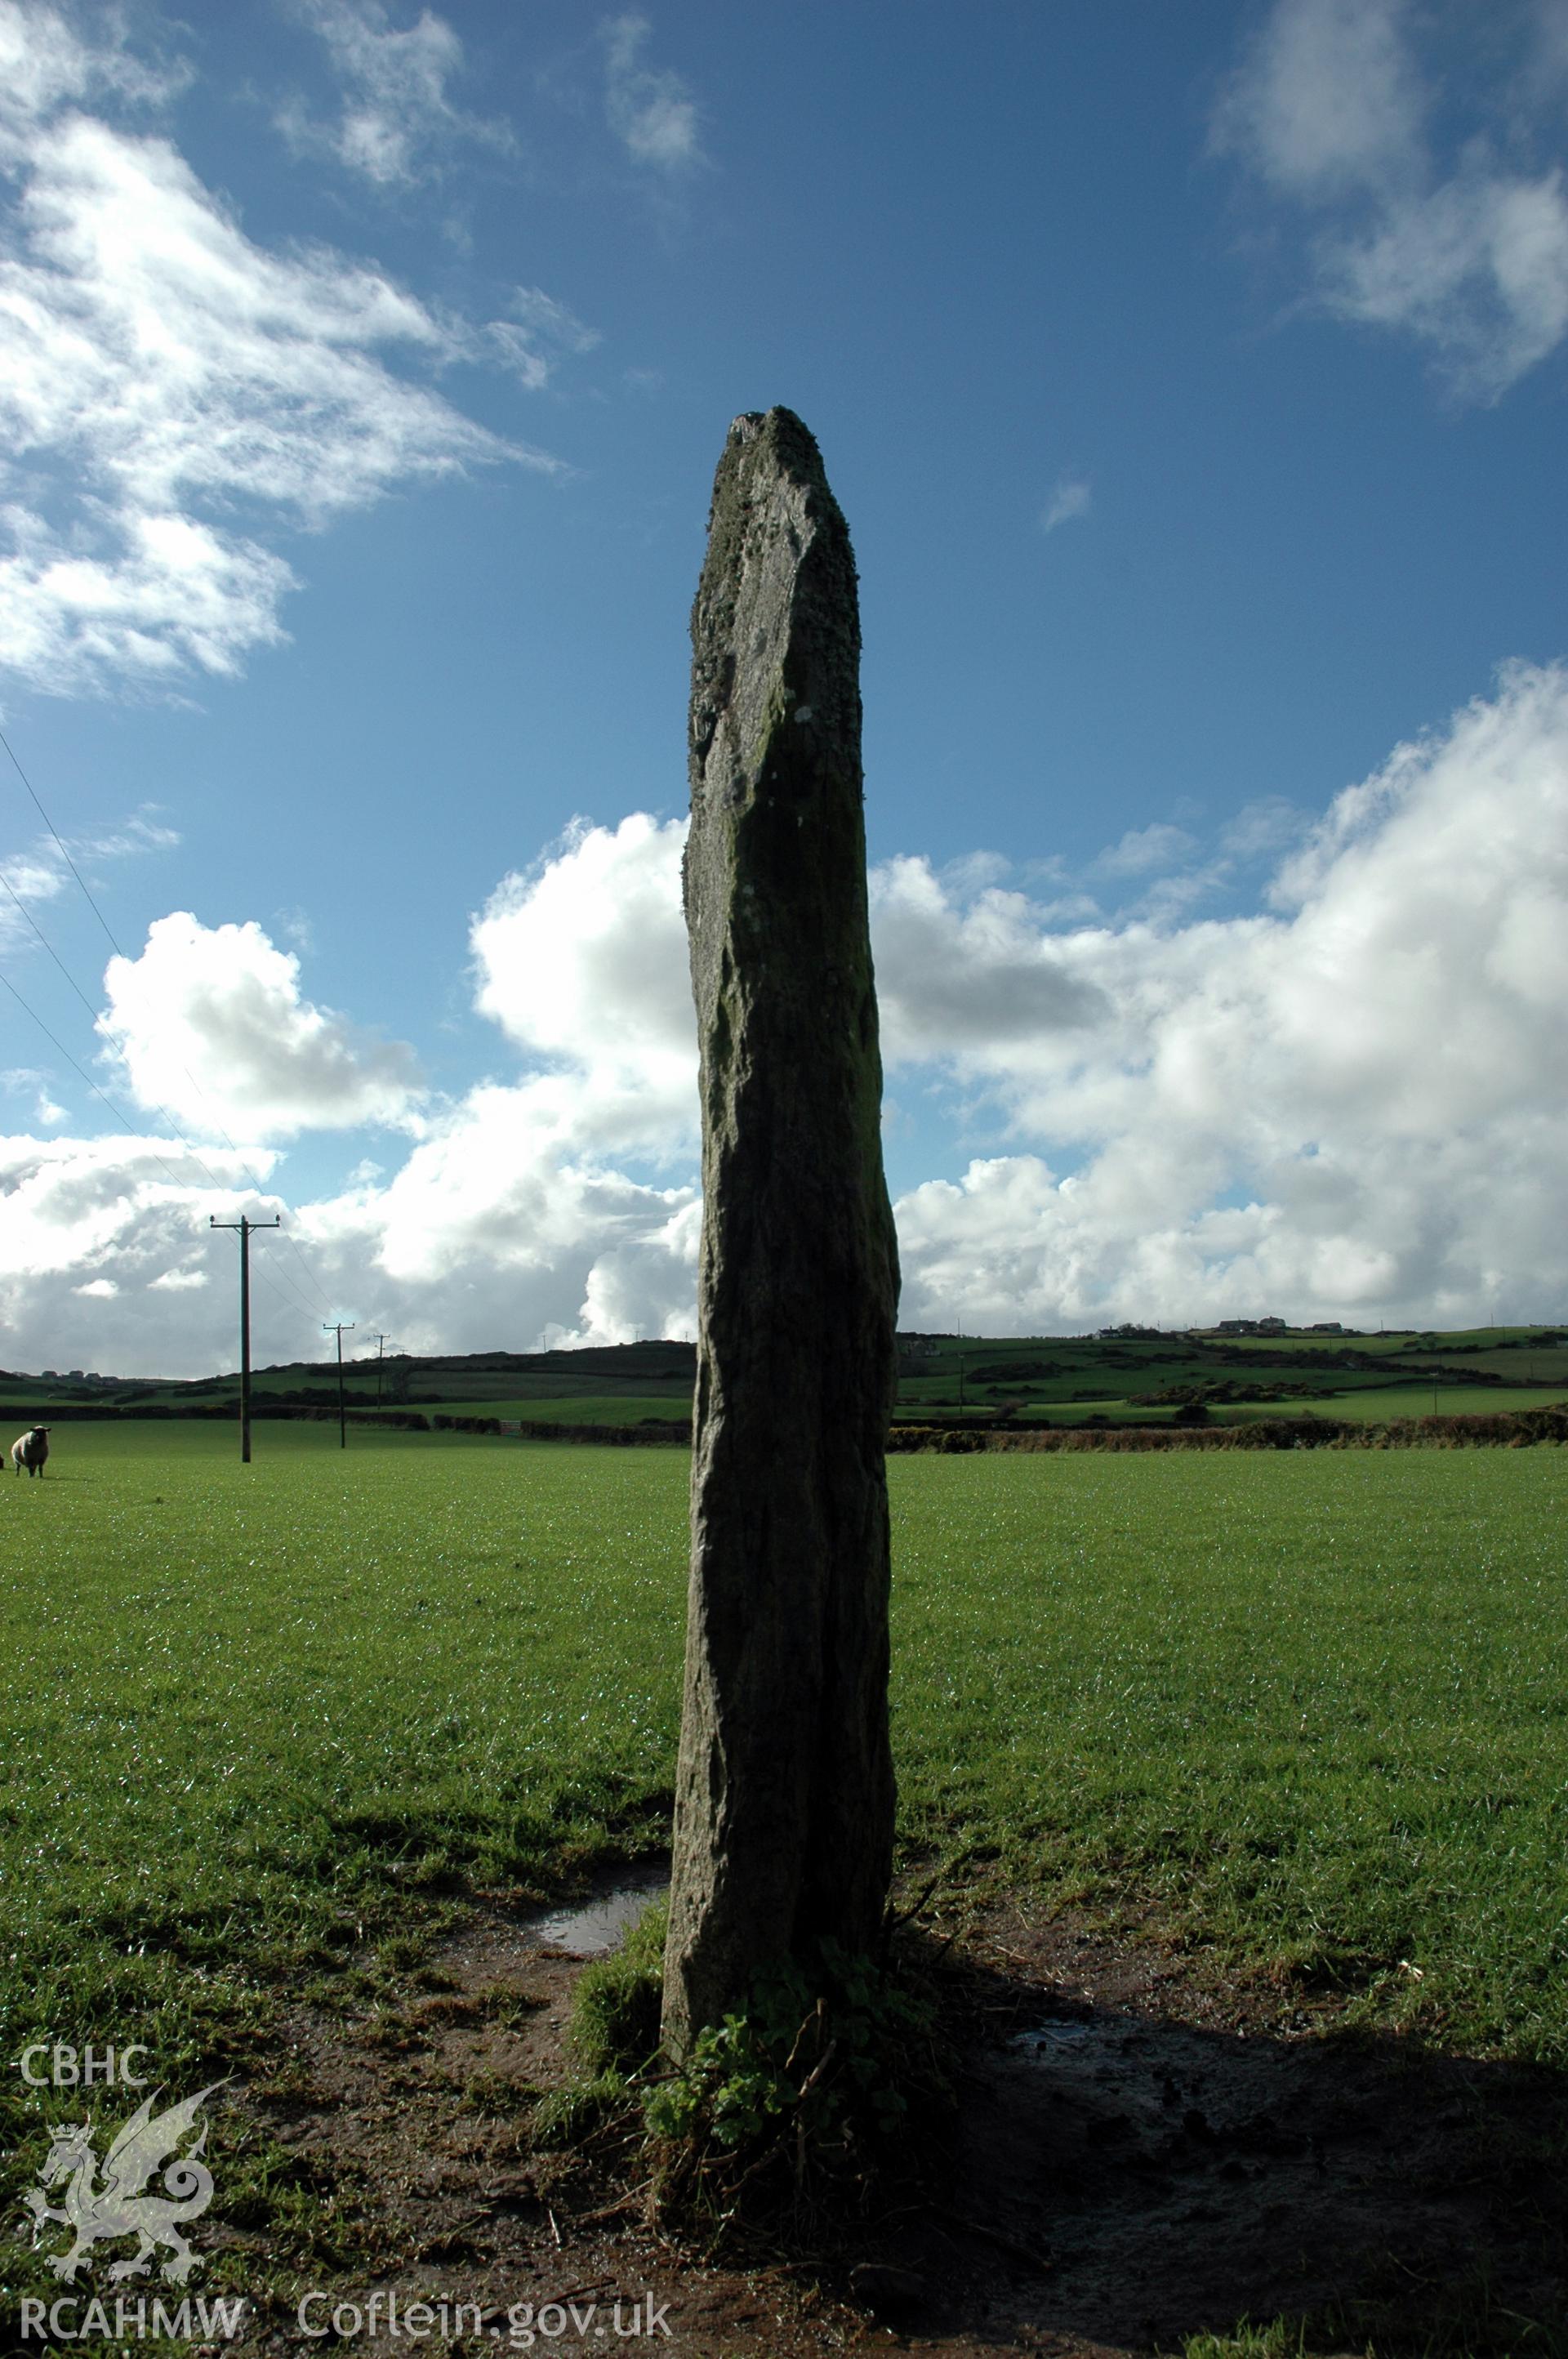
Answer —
177 394
651 110
533 342
43 871
1259 828
1332 109
46 61
25 1080
1327 100
1144 850
1072 496
397 124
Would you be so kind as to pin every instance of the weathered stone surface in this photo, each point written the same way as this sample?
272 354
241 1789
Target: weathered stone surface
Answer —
784 1798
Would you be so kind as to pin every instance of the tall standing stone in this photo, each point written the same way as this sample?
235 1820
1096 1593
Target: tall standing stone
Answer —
784 1795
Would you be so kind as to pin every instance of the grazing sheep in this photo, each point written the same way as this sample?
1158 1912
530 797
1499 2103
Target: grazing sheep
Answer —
30 1449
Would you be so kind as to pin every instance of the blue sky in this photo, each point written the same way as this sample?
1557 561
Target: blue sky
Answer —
1193 381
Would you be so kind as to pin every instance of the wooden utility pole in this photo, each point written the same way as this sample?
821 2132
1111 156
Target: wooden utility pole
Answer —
381 1343
247 1230
326 1328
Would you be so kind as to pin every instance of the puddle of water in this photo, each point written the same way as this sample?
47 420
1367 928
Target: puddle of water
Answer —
1047 2036
616 1899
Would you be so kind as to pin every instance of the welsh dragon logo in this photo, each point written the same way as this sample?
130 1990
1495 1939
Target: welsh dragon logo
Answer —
119 2207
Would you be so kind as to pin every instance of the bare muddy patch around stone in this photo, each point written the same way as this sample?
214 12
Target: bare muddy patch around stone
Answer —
1139 2157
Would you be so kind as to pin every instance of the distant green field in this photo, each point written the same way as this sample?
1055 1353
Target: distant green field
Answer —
1060 1379
1309 1706
572 1408
1371 1403
1378 1404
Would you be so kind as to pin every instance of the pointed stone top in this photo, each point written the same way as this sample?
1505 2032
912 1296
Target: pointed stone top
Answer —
774 447
788 434
775 627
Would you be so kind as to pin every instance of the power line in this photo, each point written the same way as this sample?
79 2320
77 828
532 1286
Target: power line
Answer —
63 852
124 1122
49 946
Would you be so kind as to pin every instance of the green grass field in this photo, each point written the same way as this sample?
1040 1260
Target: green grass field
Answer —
1310 1707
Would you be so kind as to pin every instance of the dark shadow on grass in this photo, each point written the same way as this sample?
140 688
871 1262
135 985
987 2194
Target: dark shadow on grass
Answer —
1176 2179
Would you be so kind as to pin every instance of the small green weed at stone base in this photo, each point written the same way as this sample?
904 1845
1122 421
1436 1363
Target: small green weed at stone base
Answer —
803 2101
1470 2322
800 2095
1279 2341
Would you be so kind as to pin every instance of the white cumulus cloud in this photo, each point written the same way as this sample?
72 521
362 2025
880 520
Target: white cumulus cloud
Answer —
1351 1104
505 1222
514 1206
512 1217
583 962
1355 1104
209 1023
89 1225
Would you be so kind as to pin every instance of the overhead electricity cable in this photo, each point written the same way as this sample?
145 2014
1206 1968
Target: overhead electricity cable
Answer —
124 1121
63 852
49 946
117 1040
